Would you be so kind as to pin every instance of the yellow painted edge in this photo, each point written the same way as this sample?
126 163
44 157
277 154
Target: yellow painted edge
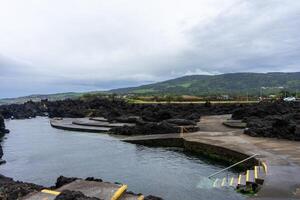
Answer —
50 192
119 192
255 172
265 167
215 182
223 182
231 181
141 197
247 176
239 180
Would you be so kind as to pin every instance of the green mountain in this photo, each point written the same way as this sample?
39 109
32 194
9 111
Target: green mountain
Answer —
232 84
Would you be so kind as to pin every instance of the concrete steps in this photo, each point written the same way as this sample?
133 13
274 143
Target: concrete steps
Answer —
241 181
245 182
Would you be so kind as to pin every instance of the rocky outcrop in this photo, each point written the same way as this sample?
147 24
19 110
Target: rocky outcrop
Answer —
113 109
275 120
12 190
3 131
146 128
149 118
63 181
23 111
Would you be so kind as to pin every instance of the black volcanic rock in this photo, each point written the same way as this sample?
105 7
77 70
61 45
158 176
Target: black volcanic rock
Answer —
150 197
181 122
146 128
63 181
276 120
3 131
101 107
149 118
11 190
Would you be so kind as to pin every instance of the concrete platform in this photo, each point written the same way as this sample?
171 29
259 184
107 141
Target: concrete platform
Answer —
282 156
102 190
95 123
101 119
67 124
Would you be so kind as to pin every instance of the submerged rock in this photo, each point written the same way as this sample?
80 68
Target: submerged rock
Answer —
150 197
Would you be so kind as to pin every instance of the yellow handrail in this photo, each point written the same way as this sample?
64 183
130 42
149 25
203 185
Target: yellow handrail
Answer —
52 192
119 192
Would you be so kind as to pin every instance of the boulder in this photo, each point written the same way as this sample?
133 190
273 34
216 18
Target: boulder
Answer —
63 181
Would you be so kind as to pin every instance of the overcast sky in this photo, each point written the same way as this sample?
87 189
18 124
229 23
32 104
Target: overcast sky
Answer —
49 46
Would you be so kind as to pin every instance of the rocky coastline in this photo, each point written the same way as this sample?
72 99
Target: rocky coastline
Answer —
3 131
149 118
12 190
274 120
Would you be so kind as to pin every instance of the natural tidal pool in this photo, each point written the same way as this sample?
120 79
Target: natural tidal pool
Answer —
36 152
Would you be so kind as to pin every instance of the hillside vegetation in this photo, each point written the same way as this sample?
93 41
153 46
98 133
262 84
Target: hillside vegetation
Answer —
189 87
233 84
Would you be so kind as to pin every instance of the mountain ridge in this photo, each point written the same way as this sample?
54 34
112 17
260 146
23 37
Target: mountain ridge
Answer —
240 83
230 83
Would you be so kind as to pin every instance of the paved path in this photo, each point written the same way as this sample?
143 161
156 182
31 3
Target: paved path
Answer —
281 156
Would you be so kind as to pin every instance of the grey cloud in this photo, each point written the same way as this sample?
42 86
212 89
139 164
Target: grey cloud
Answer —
93 45
250 36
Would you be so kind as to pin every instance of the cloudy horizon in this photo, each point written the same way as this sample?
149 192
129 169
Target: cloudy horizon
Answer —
54 46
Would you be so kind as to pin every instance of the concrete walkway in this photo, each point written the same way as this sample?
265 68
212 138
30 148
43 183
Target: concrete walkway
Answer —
281 156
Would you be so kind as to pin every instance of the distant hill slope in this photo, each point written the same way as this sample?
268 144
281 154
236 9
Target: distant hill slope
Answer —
233 83
38 97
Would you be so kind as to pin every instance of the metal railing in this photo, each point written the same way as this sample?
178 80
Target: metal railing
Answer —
231 166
